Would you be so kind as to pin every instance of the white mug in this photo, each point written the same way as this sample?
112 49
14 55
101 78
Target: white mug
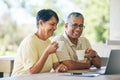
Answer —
80 54
60 45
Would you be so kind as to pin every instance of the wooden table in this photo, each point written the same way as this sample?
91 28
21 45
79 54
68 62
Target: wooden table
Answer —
61 76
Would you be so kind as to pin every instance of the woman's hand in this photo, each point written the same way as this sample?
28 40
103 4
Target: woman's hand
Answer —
61 68
52 47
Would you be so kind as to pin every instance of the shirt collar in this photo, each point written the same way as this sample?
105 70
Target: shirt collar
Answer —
71 44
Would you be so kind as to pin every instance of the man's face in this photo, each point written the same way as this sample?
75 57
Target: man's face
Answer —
75 27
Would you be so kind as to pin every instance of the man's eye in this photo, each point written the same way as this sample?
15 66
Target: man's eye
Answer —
76 25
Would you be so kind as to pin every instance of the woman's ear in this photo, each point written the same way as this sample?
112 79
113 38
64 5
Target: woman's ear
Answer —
40 22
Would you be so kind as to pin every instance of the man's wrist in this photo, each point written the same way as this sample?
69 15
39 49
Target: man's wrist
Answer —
95 55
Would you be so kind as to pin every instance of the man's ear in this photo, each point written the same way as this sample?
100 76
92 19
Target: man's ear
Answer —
66 25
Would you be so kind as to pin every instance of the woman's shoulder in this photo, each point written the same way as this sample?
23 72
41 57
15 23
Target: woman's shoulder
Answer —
28 39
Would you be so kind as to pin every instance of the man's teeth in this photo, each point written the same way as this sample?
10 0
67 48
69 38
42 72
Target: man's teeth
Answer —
76 32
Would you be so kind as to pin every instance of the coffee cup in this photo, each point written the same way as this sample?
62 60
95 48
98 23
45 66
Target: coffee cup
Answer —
60 45
80 54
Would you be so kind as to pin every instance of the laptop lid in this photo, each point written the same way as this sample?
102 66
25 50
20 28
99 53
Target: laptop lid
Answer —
113 65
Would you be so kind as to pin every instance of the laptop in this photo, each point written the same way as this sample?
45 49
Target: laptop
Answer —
112 67
113 64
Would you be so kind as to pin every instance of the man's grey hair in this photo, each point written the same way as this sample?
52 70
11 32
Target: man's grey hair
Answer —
74 14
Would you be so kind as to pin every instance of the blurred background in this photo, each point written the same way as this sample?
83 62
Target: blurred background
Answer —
17 20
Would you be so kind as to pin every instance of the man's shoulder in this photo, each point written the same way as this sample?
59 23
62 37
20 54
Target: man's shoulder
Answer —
83 38
58 37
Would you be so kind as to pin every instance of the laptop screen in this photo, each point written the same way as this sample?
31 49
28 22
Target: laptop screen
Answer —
113 65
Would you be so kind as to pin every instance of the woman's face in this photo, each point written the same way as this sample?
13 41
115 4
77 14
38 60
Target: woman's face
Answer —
47 28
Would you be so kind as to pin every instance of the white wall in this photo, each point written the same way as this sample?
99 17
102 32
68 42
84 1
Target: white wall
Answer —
114 19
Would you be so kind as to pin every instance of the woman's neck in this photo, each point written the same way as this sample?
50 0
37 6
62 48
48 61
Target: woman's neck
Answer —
40 36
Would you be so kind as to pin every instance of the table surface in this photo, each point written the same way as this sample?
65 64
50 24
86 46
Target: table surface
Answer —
61 76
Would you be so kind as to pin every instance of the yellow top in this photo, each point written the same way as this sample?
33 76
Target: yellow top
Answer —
29 52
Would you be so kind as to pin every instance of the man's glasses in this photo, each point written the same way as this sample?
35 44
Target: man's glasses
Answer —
75 25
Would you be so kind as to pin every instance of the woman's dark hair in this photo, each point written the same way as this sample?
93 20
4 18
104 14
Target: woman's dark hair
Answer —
45 15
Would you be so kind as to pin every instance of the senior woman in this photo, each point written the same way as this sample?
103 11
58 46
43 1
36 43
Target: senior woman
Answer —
36 53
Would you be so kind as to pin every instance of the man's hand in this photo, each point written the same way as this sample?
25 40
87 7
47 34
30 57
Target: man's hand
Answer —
93 57
90 53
